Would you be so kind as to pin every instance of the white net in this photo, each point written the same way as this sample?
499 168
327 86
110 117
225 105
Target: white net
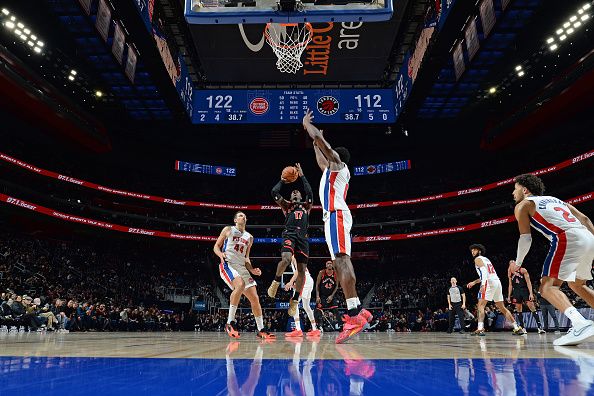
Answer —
288 41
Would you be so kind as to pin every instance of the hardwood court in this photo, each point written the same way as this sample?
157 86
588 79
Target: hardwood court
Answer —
373 363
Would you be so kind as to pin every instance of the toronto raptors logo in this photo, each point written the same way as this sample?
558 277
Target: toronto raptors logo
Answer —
328 105
259 106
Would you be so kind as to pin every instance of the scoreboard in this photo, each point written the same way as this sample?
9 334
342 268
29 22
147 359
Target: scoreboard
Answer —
288 106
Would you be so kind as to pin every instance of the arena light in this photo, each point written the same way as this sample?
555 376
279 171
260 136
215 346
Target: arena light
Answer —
17 32
73 72
585 17
71 78
23 37
577 24
553 47
550 40
20 25
521 73
519 67
31 43
566 25
27 31
98 94
572 18
570 30
9 25
40 43
563 37
492 90
586 6
559 31
37 50
5 11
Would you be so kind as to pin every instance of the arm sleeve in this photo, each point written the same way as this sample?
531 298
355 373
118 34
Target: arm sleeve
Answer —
308 190
276 195
523 247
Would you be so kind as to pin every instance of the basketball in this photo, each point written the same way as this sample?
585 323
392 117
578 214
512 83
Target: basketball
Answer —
290 174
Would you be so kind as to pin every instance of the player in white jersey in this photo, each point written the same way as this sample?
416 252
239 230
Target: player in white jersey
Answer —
571 234
305 298
337 224
233 248
491 290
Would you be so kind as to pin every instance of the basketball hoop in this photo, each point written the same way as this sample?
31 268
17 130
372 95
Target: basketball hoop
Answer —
288 41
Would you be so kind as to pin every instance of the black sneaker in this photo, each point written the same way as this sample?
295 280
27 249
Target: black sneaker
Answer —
231 329
265 334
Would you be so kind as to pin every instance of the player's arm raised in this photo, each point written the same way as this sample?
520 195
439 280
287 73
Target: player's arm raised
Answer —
219 243
329 154
278 198
248 262
306 187
585 220
522 213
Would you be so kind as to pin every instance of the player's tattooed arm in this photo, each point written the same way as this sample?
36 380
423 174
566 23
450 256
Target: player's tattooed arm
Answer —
582 218
278 198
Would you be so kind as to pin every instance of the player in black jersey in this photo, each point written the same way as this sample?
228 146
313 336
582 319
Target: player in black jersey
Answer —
519 292
295 241
326 287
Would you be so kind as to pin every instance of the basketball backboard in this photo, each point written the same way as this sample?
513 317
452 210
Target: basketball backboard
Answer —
286 11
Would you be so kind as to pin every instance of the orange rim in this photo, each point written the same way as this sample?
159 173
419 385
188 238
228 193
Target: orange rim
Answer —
300 44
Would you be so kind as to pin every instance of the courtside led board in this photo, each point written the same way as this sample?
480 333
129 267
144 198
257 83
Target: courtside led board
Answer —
352 106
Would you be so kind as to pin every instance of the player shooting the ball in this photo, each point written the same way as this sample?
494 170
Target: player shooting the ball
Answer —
295 241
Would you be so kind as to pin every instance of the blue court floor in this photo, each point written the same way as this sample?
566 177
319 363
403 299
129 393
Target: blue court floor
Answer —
309 367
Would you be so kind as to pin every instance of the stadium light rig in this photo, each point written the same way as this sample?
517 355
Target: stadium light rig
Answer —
569 27
11 23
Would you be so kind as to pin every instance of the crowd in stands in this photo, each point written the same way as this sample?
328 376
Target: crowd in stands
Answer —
71 286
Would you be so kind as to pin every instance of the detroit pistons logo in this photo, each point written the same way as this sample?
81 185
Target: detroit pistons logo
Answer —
328 105
259 106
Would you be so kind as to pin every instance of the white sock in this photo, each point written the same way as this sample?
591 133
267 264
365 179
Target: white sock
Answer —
481 325
515 325
297 322
259 322
352 303
575 316
231 314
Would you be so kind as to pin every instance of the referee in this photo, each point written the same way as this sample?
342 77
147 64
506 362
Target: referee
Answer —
457 303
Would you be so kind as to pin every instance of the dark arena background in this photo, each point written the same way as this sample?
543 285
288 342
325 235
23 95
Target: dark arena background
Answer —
134 131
